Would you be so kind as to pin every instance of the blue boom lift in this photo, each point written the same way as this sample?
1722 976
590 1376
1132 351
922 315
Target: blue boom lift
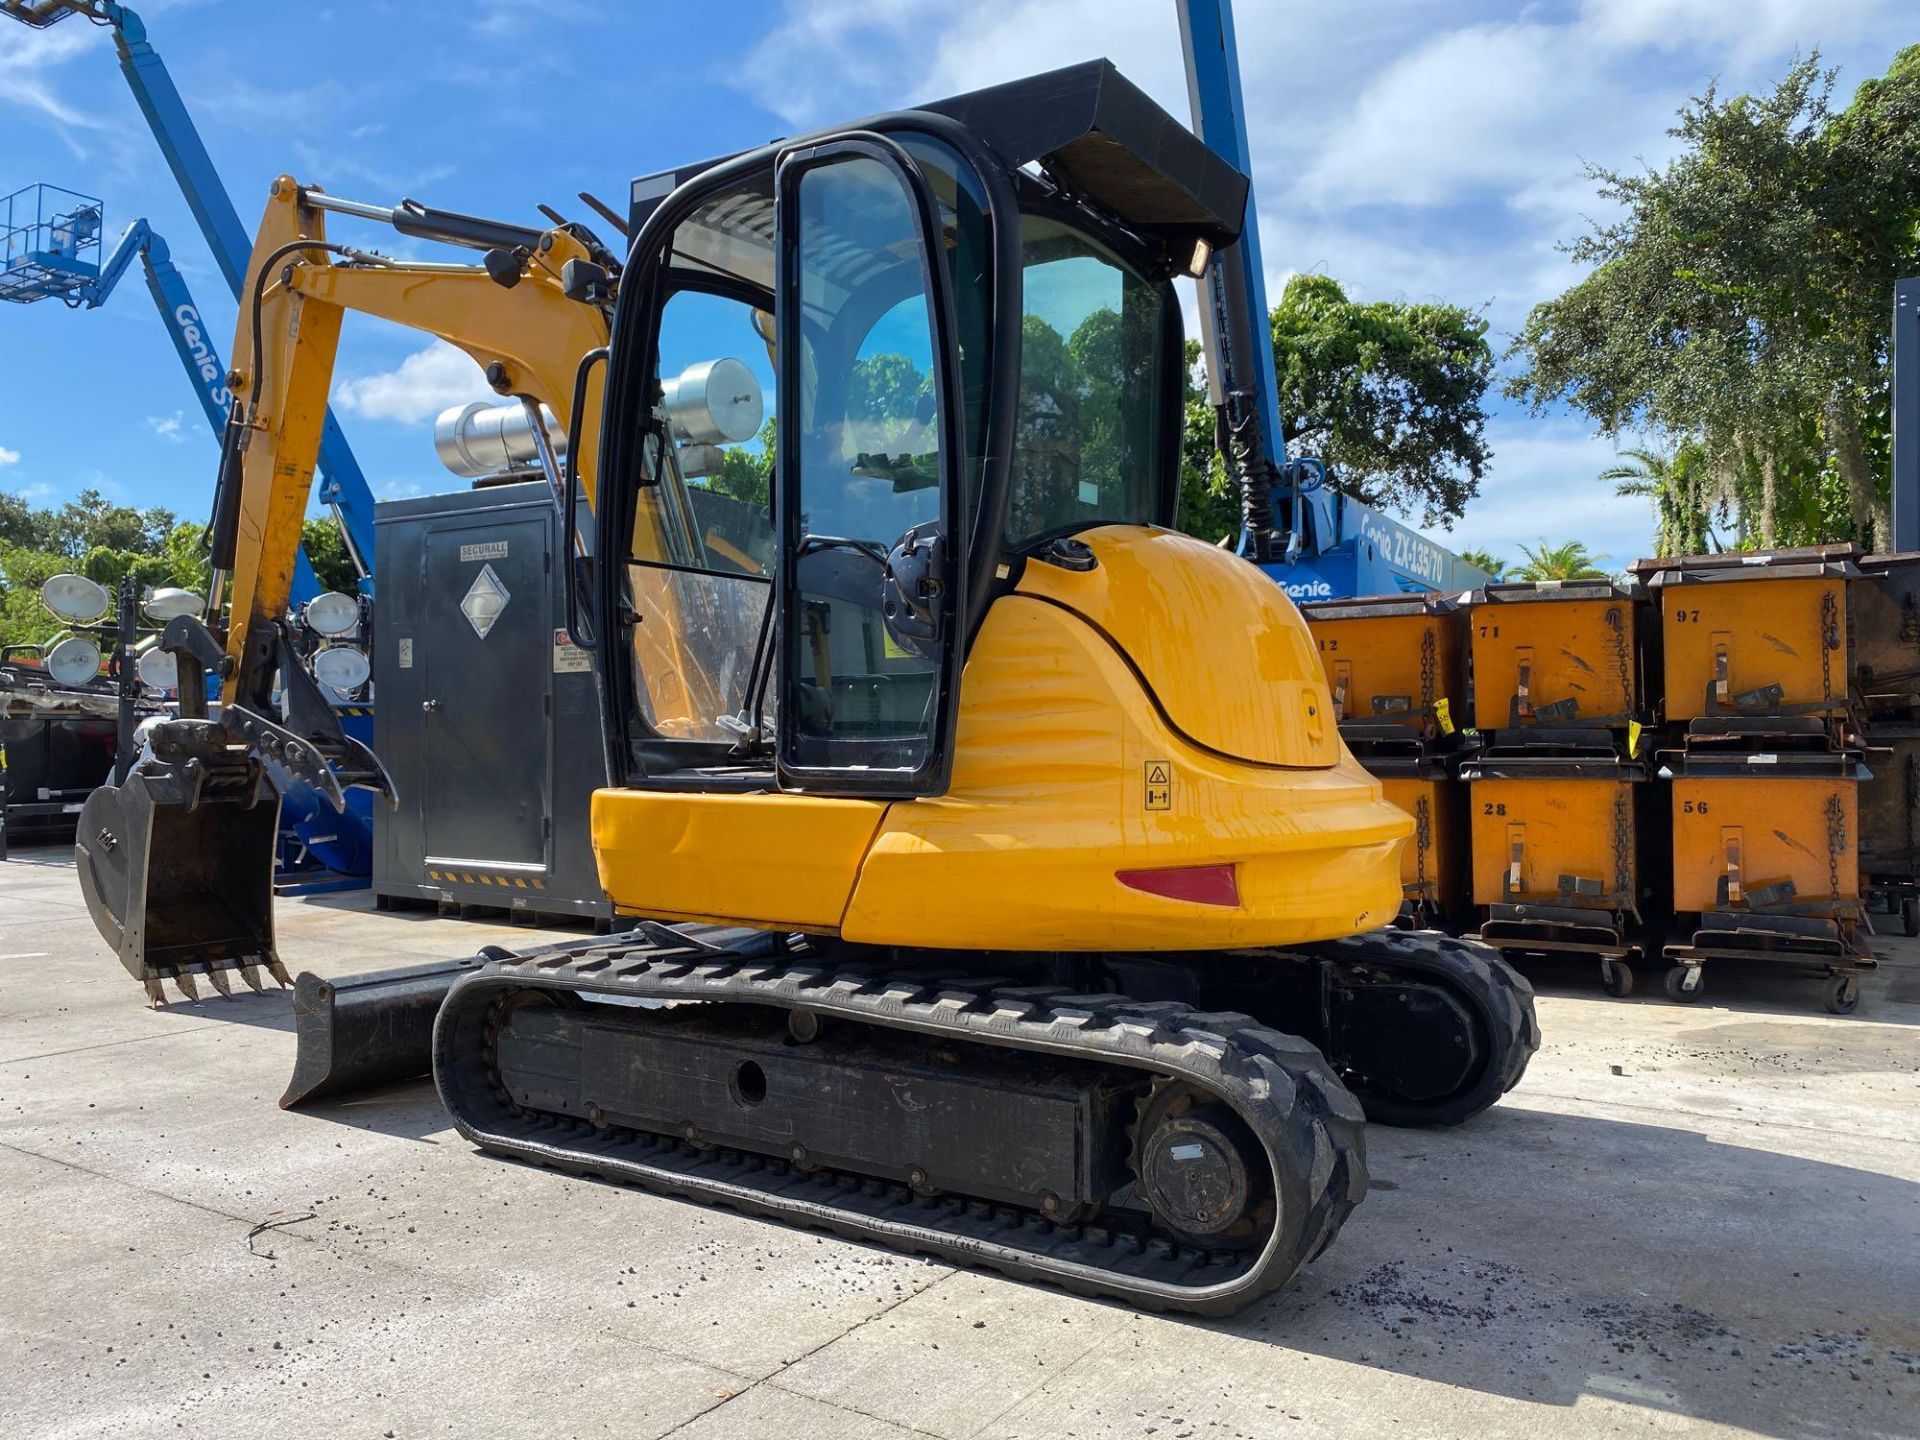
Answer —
1316 542
50 250
343 487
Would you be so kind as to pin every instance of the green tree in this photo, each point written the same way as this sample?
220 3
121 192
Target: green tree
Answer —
884 395
23 619
748 474
1209 504
161 551
1568 560
21 525
90 521
186 558
1388 393
1485 560
326 551
1685 490
1740 301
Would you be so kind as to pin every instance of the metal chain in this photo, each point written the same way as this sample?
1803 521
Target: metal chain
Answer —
1429 669
1620 659
1422 838
1830 635
1836 842
1622 845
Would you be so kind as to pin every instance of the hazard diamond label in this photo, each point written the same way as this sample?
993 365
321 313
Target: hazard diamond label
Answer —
1159 785
484 601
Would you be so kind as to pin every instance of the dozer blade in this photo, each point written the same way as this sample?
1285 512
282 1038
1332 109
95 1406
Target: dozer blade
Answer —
363 1031
180 888
367 1030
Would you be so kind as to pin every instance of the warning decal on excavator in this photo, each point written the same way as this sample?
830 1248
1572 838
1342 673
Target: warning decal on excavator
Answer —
1159 785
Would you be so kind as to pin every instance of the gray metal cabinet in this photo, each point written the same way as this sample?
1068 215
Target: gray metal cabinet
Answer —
487 719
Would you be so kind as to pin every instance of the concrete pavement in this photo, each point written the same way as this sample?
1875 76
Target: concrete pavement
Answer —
1694 1220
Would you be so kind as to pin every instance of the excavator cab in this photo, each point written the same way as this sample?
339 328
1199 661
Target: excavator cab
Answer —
971 365
978 371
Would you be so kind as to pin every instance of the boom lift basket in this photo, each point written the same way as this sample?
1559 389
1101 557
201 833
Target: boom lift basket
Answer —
1553 654
1754 635
49 243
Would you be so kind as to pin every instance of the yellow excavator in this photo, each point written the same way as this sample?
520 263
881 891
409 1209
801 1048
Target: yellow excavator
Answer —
1002 890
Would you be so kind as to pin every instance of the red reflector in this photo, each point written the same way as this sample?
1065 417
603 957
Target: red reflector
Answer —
1202 884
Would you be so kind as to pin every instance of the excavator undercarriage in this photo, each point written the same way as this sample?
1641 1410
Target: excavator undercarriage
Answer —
1094 1121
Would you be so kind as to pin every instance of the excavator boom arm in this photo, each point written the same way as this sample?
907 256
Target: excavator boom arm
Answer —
527 335
176 864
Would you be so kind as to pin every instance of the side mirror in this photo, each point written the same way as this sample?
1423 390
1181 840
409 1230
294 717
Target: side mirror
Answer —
915 590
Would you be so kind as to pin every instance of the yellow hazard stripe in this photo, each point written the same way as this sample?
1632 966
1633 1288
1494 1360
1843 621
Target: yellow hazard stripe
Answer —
472 877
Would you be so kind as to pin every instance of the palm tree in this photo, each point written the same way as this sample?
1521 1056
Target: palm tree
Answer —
1684 492
1568 560
1484 560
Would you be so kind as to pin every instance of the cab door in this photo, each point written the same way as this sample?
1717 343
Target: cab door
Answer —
867 489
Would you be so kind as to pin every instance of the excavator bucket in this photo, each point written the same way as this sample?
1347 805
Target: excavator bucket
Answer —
176 866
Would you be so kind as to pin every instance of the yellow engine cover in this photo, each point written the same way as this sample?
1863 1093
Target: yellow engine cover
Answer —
1164 710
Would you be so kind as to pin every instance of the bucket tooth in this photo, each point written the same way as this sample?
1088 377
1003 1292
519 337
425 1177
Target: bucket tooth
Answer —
156 992
279 973
220 981
251 974
187 987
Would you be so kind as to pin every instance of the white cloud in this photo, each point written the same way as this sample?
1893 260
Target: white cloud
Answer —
24 62
168 427
419 388
1749 31
1412 151
8 457
1543 484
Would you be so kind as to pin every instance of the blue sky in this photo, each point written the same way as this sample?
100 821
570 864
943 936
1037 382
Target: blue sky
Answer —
1411 149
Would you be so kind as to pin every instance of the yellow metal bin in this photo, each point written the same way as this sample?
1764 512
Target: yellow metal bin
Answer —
1434 865
1761 635
1393 659
1890 822
1553 654
1766 867
1885 640
1555 860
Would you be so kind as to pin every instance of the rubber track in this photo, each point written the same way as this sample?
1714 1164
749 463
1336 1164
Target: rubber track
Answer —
1279 1084
1493 989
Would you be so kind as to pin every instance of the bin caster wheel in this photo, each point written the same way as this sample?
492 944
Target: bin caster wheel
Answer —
1910 916
1843 994
1616 979
1678 988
